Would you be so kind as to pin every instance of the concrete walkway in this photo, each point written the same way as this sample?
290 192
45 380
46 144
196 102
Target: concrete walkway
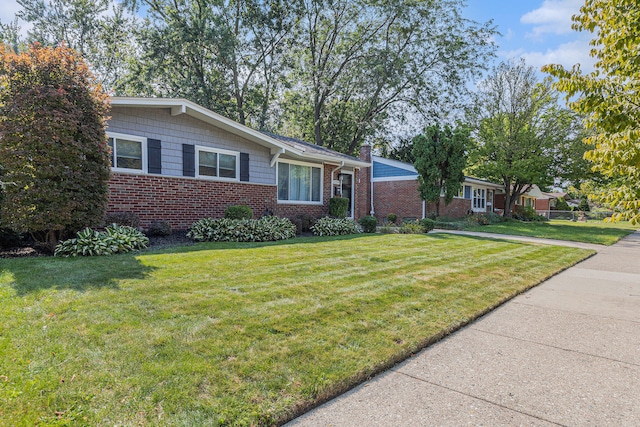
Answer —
565 353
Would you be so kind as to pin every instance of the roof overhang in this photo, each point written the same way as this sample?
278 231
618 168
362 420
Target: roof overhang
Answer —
180 106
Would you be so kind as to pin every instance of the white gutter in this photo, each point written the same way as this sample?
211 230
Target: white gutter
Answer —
424 209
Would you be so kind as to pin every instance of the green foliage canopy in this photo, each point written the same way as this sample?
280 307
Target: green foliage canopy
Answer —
440 159
53 150
609 98
521 131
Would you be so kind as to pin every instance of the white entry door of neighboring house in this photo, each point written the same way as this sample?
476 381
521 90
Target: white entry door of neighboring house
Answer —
479 200
346 190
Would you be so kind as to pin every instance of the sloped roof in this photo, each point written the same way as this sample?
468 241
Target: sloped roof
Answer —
277 144
316 150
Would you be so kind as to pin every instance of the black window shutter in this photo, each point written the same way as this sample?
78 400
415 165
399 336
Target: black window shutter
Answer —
154 151
244 166
188 160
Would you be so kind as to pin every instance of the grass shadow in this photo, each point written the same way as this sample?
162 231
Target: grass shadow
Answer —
28 275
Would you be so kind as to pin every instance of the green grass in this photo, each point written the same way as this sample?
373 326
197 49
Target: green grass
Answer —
238 334
598 232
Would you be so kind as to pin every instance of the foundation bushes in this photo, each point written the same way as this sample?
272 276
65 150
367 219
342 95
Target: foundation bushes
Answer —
265 229
159 228
238 212
115 239
328 226
338 207
369 224
412 227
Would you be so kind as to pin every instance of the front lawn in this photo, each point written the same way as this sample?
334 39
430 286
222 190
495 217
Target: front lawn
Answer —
588 232
238 333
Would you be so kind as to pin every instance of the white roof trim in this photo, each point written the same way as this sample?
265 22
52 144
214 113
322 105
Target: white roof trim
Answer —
182 106
395 163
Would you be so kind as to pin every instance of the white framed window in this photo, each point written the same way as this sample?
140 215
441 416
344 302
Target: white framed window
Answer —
216 163
479 199
299 183
128 152
464 192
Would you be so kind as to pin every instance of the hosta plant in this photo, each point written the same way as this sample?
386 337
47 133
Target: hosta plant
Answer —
115 239
328 226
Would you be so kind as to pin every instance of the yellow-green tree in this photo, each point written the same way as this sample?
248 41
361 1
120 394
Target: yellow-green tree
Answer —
609 98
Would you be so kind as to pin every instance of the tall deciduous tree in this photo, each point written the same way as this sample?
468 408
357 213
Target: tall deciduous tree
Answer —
361 64
97 29
520 129
53 148
226 55
440 158
609 97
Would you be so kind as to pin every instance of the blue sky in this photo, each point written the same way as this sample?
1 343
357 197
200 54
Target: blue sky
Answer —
538 30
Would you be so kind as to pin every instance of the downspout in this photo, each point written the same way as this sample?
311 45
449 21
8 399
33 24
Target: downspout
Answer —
424 209
372 212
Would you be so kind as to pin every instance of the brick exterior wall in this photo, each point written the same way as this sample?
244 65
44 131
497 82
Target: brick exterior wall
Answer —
398 197
182 201
402 198
458 208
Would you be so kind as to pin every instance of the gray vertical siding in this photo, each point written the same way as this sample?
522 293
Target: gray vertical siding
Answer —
173 131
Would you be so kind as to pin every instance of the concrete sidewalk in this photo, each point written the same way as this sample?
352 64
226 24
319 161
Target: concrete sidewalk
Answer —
564 353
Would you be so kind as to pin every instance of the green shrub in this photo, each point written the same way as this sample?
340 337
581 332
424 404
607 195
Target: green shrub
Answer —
428 224
369 224
129 219
388 229
413 227
584 204
528 214
335 227
238 212
338 207
265 229
447 225
159 228
303 223
115 239
392 218
561 205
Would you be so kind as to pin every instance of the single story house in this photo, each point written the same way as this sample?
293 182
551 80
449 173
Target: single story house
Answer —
176 161
394 189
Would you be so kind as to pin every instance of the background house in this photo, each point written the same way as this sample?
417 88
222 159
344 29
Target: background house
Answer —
394 189
176 161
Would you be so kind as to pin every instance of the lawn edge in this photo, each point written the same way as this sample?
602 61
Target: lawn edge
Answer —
362 377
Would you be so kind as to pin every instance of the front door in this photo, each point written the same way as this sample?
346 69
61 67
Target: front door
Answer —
346 190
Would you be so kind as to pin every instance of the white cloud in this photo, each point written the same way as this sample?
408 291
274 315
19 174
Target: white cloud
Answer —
566 54
554 17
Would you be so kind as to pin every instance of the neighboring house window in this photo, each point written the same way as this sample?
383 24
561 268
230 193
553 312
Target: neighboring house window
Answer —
479 198
128 153
299 182
216 163
464 192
